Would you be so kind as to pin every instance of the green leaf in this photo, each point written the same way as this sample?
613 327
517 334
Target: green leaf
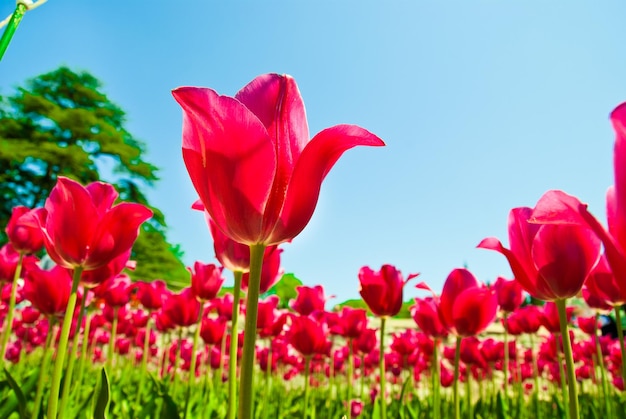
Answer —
376 410
501 407
21 400
103 396
169 410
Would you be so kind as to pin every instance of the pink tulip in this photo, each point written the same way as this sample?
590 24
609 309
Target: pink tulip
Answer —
270 174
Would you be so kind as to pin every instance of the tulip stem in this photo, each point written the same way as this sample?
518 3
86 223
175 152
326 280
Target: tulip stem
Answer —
192 366
381 366
505 367
246 392
45 364
72 359
112 337
62 347
307 365
232 353
144 363
600 363
455 389
569 360
620 336
436 380
535 373
83 351
8 322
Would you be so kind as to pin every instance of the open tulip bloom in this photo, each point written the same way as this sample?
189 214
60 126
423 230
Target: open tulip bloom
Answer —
258 173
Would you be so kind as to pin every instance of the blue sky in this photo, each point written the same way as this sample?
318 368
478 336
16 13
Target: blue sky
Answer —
484 106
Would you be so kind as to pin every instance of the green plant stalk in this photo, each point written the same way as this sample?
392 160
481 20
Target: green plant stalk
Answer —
505 367
362 390
268 382
165 343
349 375
83 352
16 18
246 392
569 360
71 361
560 356
234 337
620 336
45 365
112 337
436 380
192 365
179 348
62 347
307 364
381 368
217 378
8 322
455 388
144 363
600 363
468 395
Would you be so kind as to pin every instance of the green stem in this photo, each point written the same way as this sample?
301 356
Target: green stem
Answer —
62 347
307 363
246 392
560 356
505 367
45 364
192 365
144 363
569 360
16 18
600 362
268 382
234 338
179 349
83 351
8 322
350 376
381 367
455 389
620 335
436 380
468 395
112 337
72 359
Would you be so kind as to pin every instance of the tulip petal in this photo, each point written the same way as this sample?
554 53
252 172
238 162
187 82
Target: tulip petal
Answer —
564 256
103 195
457 282
71 222
618 119
230 158
474 310
117 231
315 162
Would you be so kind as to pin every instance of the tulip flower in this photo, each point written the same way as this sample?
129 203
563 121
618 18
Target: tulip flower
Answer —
467 308
23 232
382 290
206 280
151 294
47 291
509 293
182 308
308 300
268 172
10 270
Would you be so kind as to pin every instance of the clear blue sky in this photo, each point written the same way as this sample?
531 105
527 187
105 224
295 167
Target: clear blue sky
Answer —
484 105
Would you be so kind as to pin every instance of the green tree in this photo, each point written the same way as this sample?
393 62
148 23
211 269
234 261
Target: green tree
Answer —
62 124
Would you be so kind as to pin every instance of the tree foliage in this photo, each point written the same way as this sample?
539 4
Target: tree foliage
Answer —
62 124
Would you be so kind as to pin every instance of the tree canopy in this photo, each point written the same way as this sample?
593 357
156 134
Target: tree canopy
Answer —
62 124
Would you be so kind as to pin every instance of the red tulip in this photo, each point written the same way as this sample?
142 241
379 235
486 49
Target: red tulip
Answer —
94 277
183 308
557 207
115 291
467 306
550 317
81 228
151 294
212 330
366 342
308 300
349 322
47 291
588 324
603 285
510 294
428 318
206 280
23 232
551 262
382 290
267 312
307 335
8 263
250 159
528 318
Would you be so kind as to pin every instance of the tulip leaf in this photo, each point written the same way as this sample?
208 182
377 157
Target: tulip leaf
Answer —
21 400
103 396
169 409
376 411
